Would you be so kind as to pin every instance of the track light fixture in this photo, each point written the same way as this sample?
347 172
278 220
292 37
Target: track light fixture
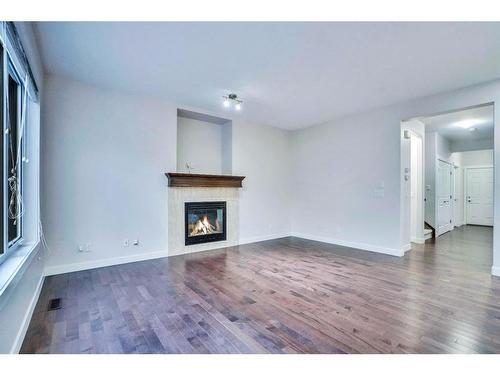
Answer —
232 99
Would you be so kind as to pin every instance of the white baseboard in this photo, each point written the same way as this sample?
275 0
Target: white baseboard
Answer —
406 247
355 245
16 347
418 240
73 267
263 238
495 271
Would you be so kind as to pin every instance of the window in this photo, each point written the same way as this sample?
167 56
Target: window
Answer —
19 178
14 149
19 116
13 100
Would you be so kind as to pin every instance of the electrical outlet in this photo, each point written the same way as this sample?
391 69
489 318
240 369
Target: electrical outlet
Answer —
87 247
81 248
136 242
126 242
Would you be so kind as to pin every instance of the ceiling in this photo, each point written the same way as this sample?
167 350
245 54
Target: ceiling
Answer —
446 124
289 75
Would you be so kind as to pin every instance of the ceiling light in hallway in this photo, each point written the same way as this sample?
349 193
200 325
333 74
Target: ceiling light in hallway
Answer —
232 99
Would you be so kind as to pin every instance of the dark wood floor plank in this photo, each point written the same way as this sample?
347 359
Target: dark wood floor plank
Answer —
281 296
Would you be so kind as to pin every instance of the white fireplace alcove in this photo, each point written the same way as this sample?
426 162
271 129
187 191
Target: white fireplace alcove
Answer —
184 187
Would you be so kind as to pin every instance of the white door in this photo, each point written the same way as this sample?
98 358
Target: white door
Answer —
479 202
443 197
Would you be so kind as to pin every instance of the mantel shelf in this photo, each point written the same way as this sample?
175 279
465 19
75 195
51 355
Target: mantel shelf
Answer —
203 180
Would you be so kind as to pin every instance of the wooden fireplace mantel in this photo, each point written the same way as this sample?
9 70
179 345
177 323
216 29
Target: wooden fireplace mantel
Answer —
203 180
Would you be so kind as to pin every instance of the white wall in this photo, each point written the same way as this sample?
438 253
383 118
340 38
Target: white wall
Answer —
471 145
475 158
16 306
340 165
443 147
263 154
199 143
346 181
104 158
227 149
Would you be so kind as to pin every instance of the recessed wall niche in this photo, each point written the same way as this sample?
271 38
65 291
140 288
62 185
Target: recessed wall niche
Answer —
203 143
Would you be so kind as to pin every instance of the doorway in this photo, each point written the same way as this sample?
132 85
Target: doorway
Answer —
456 173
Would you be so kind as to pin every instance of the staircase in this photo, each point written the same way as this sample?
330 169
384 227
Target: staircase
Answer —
429 231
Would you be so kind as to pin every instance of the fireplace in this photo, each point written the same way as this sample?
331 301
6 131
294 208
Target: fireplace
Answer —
204 222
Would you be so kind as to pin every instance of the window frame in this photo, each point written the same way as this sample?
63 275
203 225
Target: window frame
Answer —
3 59
10 72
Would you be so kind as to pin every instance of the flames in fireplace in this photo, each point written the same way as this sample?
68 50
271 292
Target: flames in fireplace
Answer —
204 226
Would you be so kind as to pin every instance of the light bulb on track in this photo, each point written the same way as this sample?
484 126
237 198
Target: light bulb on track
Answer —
232 99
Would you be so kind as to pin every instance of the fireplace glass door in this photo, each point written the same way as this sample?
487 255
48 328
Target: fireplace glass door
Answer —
205 222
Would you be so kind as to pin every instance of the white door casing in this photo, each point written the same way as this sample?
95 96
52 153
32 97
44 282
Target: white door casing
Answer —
409 128
443 197
458 196
479 196
417 187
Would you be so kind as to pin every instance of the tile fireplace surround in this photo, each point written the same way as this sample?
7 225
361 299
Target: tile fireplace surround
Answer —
178 196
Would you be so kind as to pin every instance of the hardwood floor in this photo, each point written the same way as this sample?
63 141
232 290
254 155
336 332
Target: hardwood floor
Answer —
282 296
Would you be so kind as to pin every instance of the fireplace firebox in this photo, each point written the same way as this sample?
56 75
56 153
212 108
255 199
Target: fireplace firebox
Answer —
204 222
